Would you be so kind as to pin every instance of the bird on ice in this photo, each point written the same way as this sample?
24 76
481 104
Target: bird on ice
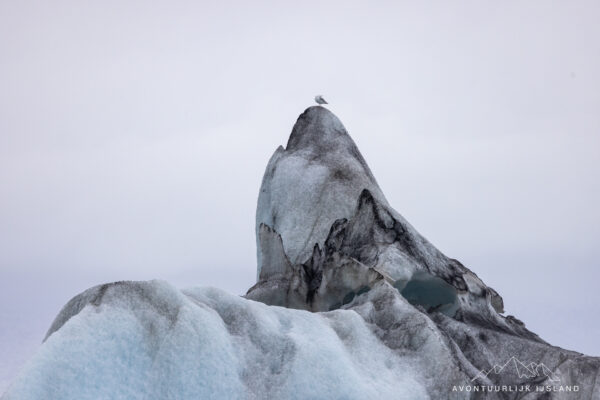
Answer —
320 100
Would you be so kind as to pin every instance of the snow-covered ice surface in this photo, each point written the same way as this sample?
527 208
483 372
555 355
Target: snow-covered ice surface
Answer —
148 340
351 302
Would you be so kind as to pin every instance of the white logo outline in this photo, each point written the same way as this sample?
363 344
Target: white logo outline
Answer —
528 371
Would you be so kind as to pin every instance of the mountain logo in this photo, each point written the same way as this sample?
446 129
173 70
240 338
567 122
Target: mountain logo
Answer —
528 371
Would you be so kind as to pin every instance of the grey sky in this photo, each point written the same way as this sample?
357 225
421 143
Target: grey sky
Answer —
133 138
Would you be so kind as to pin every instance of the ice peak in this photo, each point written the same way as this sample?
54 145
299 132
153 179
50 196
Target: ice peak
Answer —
319 191
312 183
318 127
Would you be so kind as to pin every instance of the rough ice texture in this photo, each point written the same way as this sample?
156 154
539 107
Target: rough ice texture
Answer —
357 305
148 340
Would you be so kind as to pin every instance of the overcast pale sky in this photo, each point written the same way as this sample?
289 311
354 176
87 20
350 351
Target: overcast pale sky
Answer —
134 136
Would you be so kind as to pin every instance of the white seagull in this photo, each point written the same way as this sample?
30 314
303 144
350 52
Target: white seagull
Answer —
320 100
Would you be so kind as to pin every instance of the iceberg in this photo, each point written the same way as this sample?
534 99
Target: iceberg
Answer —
351 302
